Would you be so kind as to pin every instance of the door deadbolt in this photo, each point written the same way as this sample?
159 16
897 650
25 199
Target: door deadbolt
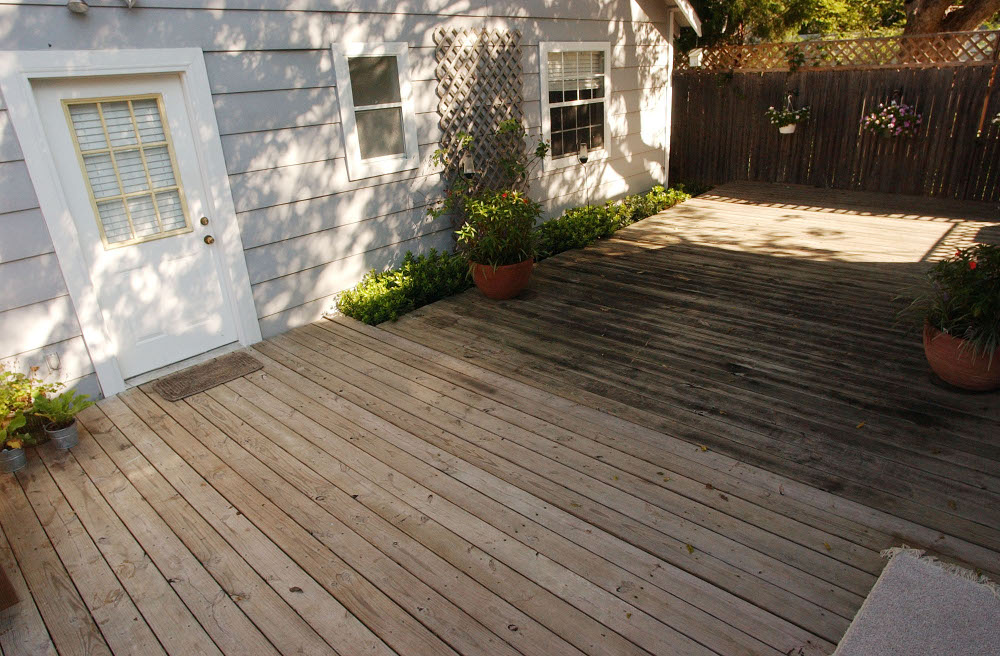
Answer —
204 220
209 239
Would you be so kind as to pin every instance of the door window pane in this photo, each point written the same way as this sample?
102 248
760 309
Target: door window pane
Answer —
118 120
128 165
380 132
374 80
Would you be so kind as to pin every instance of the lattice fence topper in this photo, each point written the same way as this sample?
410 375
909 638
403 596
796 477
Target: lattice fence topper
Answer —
479 86
917 51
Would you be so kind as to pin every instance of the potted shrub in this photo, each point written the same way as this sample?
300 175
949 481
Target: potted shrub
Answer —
61 413
786 119
17 392
960 308
893 119
498 238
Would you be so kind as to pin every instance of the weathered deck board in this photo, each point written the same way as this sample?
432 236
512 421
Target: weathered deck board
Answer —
694 438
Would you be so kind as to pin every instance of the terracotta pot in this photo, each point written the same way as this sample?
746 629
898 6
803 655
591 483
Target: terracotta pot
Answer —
503 281
957 365
63 438
787 129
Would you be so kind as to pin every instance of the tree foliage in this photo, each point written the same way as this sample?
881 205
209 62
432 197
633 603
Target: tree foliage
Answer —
926 16
753 21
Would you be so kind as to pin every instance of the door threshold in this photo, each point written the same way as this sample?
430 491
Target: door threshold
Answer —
142 379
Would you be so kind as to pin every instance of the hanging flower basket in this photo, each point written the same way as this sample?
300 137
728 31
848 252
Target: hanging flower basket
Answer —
786 119
893 119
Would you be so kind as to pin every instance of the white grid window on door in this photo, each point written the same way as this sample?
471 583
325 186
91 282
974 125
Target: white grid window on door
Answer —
128 161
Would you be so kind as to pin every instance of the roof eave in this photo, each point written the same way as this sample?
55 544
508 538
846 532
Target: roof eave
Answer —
688 14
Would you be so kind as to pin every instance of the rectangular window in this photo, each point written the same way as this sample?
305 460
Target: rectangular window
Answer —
128 161
574 82
380 131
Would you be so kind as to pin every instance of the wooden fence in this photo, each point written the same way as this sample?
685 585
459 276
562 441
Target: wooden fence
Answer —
720 132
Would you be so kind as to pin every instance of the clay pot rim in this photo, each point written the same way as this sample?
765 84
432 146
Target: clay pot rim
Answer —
936 332
501 266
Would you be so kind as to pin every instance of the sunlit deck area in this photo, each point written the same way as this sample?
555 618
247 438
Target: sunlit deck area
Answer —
693 438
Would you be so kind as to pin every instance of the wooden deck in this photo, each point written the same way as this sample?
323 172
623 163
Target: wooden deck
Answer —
693 438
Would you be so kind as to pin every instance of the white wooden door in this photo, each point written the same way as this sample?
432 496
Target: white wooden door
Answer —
128 164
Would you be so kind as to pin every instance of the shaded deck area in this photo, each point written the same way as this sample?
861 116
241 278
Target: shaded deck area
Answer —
693 438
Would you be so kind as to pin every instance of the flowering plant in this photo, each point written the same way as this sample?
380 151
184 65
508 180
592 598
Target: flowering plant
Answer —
499 228
515 162
782 117
893 120
962 297
18 392
996 120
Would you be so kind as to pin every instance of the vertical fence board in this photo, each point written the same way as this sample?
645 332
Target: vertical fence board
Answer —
720 132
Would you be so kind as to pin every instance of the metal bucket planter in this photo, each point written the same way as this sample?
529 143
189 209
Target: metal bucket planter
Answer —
63 438
12 459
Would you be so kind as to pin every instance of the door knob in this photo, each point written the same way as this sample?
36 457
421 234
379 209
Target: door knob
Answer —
209 239
204 220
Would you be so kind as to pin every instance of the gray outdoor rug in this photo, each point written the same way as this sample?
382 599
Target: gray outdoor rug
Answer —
922 607
206 375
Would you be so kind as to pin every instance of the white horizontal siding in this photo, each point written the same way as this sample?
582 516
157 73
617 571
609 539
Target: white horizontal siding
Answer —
299 253
18 194
273 110
311 292
35 326
288 220
259 151
288 184
10 150
23 234
308 230
229 31
73 361
30 280
627 11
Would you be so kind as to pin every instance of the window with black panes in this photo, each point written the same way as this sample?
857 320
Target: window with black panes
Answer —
577 94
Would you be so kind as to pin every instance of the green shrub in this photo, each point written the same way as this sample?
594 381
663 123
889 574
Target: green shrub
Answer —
499 228
388 295
582 226
418 281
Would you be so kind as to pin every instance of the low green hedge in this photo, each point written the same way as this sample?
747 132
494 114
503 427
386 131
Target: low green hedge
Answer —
388 295
582 226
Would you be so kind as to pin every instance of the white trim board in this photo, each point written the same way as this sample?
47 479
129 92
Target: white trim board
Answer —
17 70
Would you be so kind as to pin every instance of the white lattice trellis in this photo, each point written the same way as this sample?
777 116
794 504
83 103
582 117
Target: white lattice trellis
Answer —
916 51
479 86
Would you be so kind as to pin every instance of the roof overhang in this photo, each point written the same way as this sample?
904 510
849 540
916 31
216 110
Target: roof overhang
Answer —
688 15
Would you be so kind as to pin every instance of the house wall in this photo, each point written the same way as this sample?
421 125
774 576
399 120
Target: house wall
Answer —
308 230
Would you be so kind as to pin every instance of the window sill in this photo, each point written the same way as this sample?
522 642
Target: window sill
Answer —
361 169
567 161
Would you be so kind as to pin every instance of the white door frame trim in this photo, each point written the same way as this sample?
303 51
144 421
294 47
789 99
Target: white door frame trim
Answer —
17 70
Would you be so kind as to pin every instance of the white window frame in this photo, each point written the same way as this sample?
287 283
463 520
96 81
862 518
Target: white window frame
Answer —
357 167
544 48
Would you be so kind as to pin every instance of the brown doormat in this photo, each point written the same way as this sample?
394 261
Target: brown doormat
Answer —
206 376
